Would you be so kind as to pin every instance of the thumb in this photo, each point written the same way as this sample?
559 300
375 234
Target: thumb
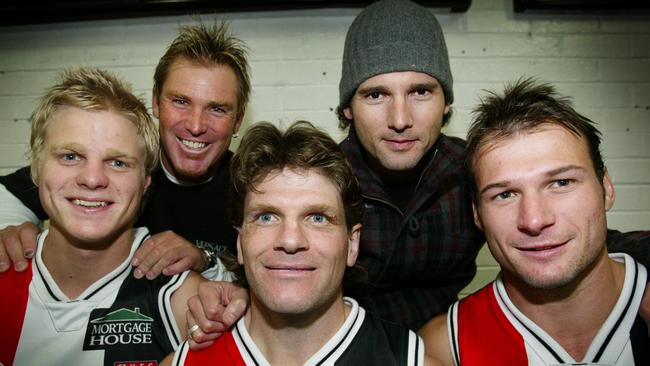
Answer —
234 311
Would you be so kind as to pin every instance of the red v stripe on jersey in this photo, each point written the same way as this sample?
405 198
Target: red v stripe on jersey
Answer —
15 286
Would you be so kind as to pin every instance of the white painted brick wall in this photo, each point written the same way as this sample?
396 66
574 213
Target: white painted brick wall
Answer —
603 62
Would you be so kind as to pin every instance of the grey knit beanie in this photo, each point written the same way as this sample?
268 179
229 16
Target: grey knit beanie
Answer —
390 36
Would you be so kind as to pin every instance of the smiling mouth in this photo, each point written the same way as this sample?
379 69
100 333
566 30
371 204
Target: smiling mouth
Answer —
290 269
89 204
542 248
193 145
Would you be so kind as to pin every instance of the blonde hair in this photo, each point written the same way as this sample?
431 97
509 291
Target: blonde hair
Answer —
91 89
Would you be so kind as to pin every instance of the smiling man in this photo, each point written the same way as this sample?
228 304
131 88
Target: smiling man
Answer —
93 148
200 92
541 191
297 209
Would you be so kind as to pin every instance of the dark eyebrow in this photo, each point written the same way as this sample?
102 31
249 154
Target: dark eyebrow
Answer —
214 104
564 169
429 85
371 89
501 184
175 94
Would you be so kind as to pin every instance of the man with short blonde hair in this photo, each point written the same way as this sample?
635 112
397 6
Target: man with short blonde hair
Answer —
93 150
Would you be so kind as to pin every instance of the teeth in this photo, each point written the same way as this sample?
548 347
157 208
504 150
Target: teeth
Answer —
89 203
193 144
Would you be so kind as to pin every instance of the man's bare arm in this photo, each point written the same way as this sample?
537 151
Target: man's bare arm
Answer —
179 299
436 340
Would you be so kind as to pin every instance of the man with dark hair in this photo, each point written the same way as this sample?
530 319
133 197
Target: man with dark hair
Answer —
419 243
297 209
201 89
540 195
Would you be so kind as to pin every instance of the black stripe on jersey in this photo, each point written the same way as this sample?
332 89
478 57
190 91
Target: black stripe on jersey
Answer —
47 286
107 282
250 354
347 334
600 352
49 290
169 318
548 348
180 353
452 329
417 352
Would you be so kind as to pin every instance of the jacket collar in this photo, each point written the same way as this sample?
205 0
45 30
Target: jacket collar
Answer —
445 163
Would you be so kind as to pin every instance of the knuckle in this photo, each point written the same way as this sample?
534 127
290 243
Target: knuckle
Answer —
213 311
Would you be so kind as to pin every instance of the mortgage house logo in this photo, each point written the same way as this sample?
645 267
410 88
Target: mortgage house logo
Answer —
119 327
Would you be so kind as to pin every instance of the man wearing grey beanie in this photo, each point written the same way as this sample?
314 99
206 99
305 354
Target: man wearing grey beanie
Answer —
419 242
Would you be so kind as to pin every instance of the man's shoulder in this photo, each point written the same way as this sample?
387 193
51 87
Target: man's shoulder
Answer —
384 339
224 351
21 176
20 184
452 146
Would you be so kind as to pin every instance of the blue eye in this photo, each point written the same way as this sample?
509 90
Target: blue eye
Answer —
319 219
265 217
118 163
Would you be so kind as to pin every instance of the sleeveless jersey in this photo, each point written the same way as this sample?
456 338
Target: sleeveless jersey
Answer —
486 328
364 339
117 321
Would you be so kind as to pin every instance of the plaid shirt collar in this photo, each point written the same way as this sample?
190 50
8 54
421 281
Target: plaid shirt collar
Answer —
448 159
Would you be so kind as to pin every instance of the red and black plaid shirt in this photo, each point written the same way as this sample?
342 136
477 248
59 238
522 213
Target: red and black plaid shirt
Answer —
417 260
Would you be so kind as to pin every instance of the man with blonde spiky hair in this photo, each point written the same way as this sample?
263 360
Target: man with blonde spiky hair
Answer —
200 92
93 149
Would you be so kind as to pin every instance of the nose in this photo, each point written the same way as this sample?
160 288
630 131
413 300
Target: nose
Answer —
92 175
196 122
291 238
535 214
399 116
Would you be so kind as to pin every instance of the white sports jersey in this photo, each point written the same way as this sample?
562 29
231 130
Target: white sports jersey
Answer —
118 320
487 328
363 339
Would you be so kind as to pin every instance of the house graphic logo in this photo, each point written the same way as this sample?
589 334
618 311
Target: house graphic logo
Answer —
119 327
